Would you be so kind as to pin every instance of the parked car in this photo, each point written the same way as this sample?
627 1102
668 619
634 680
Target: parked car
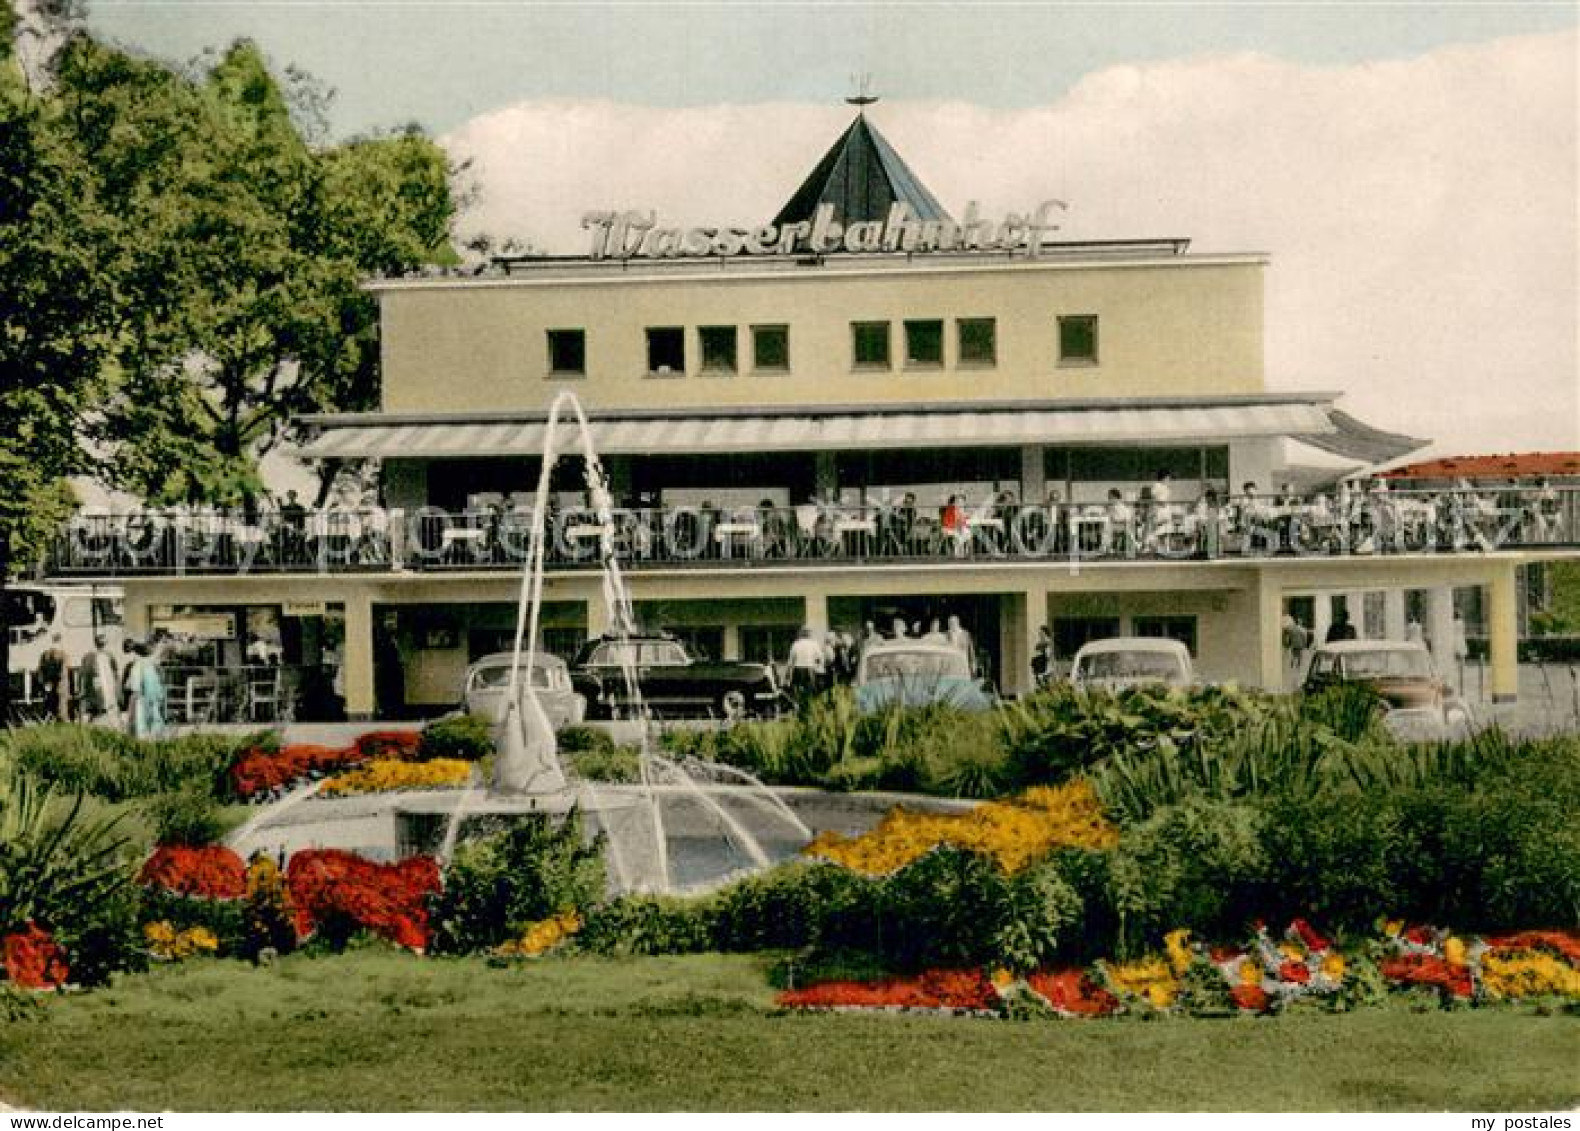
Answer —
1130 661
1419 703
483 691
672 681
914 673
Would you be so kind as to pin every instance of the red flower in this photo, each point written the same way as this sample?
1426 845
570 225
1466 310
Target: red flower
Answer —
388 899
1073 992
1253 998
33 960
210 871
397 745
936 989
1564 943
1294 972
263 771
1421 936
1429 970
1308 935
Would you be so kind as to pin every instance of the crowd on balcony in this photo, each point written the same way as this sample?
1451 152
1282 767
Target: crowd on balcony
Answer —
1149 522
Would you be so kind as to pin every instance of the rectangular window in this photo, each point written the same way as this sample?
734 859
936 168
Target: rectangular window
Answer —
978 341
870 344
1078 340
567 352
666 350
771 348
924 344
1182 629
1069 633
718 348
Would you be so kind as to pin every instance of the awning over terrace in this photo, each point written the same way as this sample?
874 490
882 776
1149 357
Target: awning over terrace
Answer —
846 428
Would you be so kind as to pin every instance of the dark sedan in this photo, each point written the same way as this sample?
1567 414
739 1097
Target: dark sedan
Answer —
671 681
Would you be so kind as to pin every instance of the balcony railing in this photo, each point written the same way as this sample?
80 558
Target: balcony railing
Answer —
435 541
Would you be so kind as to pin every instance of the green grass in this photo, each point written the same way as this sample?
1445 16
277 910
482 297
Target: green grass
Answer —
377 1030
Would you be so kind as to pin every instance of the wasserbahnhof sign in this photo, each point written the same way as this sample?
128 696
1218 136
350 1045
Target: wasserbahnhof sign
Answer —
637 235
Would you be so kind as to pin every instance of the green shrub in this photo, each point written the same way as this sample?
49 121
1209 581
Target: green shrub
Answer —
537 866
648 924
796 905
1058 731
467 737
68 873
944 909
1198 864
185 817
1335 859
1041 910
595 756
1353 711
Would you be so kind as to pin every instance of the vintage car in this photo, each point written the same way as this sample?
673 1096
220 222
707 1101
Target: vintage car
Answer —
916 673
1130 661
483 690
671 681
1419 704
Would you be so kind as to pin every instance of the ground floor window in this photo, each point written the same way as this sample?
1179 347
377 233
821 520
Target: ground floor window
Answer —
1182 629
1069 633
767 643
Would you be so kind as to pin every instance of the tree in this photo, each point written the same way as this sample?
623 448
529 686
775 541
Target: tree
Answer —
55 312
243 258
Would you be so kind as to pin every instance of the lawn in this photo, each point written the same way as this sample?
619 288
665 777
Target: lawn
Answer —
376 1030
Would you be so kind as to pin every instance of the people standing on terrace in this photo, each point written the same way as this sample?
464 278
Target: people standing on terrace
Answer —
1121 521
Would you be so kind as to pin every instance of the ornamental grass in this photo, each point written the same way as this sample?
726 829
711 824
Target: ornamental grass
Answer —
1014 833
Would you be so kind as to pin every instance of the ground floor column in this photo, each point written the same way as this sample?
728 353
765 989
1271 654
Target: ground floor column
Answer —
356 657
1321 617
1393 614
1020 615
1439 630
1270 633
815 615
1503 635
597 617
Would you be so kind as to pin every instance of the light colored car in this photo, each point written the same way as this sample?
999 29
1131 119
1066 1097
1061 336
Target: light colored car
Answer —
1131 661
1419 703
915 673
484 688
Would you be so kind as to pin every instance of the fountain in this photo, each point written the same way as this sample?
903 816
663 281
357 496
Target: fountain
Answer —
701 809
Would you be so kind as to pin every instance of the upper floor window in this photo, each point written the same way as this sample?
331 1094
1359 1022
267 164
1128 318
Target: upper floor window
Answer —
771 348
978 341
924 343
1078 339
870 344
666 350
567 352
718 348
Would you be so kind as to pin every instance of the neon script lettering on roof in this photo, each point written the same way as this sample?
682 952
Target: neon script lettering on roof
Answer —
637 235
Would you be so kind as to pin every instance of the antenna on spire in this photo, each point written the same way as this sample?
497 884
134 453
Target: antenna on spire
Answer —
863 96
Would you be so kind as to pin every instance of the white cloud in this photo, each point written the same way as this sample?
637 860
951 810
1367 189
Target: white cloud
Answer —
1421 213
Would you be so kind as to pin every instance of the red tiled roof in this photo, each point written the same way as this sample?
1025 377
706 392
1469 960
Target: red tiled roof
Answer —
1520 465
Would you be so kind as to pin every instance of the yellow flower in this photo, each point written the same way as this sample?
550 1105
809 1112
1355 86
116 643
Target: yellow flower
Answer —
542 936
1292 951
1150 978
1454 951
384 775
1529 974
1333 966
1003 978
1392 927
1178 949
201 938
1250 973
1015 832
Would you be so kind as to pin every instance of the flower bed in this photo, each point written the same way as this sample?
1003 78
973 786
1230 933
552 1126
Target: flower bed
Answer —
1015 833
33 959
334 893
260 774
1266 976
171 943
209 871
384 776
541 937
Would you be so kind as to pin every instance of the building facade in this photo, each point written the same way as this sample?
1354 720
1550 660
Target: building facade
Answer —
866 411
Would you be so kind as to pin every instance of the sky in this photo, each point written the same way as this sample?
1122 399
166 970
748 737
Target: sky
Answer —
1411 169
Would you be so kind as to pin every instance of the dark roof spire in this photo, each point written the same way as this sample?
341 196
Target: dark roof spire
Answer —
862 177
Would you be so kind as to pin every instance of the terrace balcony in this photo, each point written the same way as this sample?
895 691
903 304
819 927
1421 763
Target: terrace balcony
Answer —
432 541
